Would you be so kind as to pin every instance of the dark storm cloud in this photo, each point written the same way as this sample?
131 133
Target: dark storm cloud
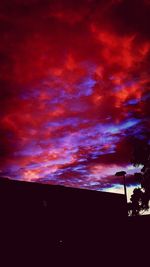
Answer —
132 17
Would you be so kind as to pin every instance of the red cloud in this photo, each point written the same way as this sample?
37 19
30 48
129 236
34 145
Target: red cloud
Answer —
74 88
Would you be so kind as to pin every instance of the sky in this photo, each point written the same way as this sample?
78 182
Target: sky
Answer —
74 90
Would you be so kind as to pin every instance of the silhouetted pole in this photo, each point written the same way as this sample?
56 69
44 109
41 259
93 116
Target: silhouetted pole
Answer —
125 189
123 173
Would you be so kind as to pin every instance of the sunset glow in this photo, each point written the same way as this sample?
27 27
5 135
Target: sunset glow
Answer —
74 89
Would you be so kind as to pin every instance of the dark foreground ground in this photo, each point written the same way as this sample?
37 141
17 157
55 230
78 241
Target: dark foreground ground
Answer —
53 225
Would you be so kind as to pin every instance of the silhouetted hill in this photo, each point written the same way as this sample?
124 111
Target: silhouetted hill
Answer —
38 221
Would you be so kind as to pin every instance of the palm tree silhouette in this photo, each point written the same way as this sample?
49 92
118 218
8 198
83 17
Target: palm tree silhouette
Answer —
140 198
123 173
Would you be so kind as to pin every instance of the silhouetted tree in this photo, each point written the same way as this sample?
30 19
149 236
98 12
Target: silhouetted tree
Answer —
141 152
140 198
